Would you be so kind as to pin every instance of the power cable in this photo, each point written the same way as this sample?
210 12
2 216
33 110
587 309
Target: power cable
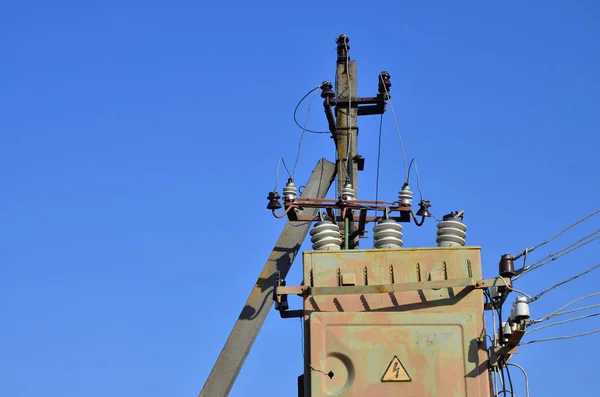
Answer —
303 128
494 312
512 390
564 249
296 110
525 375
531 322
555 236
281 160
414 161
503 380
560 337
538 296
514 289
495 376
564 321
539 264
378 158
397 128
560 312
302 334
577 310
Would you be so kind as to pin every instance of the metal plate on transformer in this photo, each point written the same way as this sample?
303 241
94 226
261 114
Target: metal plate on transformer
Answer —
432 333
433 348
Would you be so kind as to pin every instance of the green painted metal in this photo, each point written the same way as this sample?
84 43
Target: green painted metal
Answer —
346 233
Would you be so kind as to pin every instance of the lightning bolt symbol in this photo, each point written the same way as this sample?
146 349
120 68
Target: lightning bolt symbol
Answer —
396 369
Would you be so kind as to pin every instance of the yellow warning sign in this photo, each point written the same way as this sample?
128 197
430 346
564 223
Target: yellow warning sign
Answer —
396 372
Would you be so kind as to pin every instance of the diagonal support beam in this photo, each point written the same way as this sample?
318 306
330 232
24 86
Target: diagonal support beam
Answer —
259 302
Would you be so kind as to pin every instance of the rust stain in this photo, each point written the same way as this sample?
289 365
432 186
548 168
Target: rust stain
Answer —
433 333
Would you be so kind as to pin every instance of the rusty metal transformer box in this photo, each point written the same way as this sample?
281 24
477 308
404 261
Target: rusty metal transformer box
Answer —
366 342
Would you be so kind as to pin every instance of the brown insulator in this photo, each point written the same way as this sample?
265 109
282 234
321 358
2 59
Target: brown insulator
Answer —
506 268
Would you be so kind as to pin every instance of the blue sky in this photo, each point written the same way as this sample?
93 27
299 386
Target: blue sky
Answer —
131 134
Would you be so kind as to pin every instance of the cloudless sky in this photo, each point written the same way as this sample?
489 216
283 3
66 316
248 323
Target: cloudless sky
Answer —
139 139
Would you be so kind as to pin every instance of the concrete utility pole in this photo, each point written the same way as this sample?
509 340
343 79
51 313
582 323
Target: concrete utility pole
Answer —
259 302
346 125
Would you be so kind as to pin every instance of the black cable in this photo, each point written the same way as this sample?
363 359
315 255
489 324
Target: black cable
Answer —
503 363
296 110
409 167
378 159
509 379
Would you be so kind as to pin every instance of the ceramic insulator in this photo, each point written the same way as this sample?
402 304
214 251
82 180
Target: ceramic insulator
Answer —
325 235
387 234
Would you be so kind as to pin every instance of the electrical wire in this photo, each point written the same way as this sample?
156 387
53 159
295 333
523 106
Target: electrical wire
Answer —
537 265
497 379
525 375
564 321
378 158
498 311
433 216
281 160
556 235
512 390
495 376
418 179
514 289
494 313
303 129
302 334
296 110
531 322
503 380
538 296
577 310
409 168
560 337
563 249
397 128
560 312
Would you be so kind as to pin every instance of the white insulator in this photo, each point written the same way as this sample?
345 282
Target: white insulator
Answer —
387 234
521 309
325 236
451 232
289 191
348 193
506 329
405 195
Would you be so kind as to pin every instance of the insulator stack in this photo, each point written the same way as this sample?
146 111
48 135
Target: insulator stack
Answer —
387 234
405 195
289 191
348 193
325 235
451 231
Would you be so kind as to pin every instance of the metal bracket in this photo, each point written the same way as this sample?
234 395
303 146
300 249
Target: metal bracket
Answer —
387 288
504 352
